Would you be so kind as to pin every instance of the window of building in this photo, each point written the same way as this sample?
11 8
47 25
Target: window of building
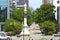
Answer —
58 17
3 10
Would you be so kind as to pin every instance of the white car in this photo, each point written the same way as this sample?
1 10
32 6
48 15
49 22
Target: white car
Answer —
3 36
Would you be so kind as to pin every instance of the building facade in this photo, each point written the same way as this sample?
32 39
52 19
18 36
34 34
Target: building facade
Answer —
3 12
20 3
56 3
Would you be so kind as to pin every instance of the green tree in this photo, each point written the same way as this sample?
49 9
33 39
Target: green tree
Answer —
12 25
49 27
30 16
18 15
44 13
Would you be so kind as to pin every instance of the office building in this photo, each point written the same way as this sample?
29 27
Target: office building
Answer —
3 12
20 3
3 9
56 3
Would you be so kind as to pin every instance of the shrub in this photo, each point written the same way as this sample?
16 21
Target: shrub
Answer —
49 27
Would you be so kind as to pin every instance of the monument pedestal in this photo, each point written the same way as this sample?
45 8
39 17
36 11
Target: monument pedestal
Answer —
25 37
34 29
25 34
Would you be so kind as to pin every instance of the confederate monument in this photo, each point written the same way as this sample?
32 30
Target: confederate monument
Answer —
25 32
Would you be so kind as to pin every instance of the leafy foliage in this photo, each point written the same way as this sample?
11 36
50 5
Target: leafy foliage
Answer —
31 15
44 13
12 25
18 15
46 18
49 27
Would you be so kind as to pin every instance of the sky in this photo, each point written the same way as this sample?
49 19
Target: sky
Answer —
35 3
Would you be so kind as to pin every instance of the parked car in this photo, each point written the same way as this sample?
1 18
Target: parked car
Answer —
3 36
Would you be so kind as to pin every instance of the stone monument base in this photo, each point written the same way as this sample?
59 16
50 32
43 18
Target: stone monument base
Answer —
25 37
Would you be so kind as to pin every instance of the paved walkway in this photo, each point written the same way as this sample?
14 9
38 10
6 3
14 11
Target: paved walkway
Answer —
36 37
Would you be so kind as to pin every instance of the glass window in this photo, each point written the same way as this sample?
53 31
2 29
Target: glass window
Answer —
3 10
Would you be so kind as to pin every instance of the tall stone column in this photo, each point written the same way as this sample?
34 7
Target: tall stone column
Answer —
25 32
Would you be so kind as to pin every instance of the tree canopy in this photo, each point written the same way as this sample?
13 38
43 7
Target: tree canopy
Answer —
48 27
18 15
45 16
45 12
12 27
